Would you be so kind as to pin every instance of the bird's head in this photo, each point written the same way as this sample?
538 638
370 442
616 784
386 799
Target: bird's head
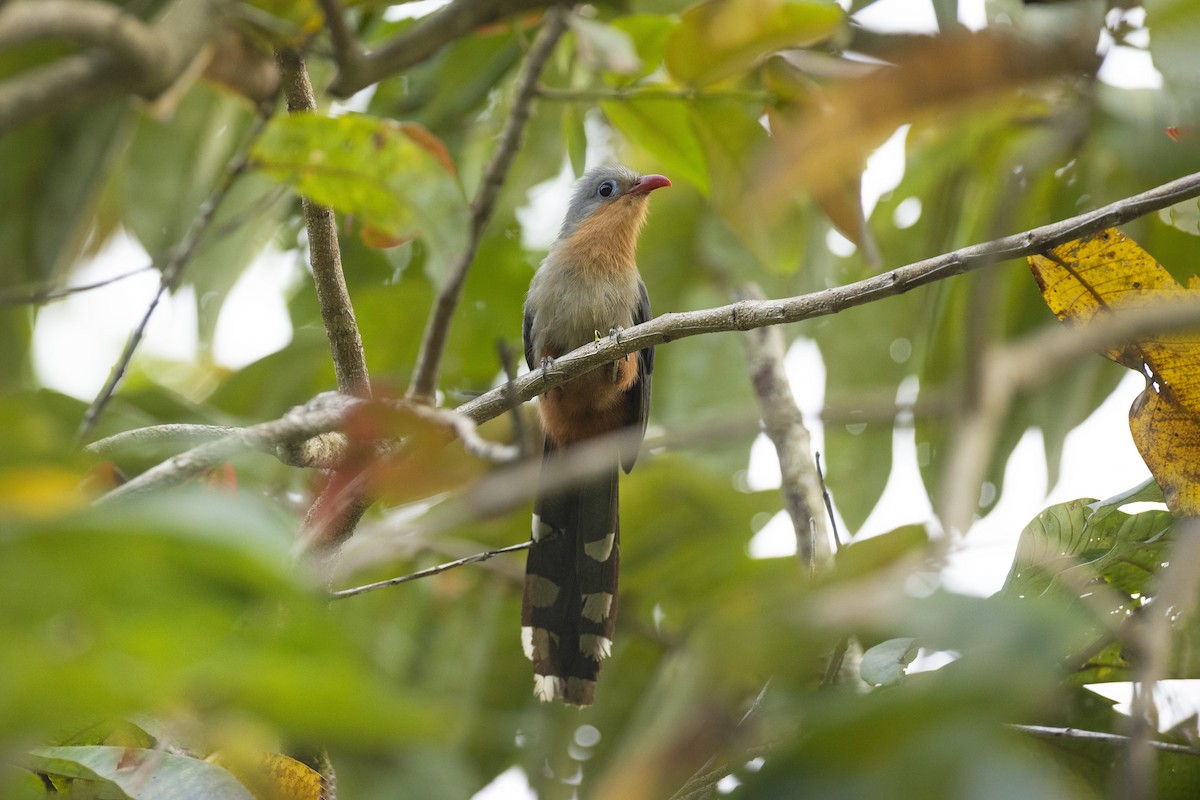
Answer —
612 195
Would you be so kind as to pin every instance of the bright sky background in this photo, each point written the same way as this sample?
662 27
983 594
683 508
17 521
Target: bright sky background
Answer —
78 339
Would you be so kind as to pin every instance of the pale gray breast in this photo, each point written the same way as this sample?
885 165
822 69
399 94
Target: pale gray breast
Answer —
570 306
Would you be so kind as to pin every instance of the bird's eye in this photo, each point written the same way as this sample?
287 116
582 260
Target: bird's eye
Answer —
607 189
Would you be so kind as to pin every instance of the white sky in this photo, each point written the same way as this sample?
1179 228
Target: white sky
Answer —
77 340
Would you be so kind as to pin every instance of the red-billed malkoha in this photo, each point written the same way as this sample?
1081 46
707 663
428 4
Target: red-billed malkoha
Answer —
587 287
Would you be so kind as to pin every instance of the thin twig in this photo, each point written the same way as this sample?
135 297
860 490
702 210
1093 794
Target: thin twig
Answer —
46 295
172 273
655 93
837 540
433 342
422 40
703 782
341 594
836 659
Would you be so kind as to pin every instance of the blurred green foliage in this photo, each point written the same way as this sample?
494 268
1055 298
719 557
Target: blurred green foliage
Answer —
184 621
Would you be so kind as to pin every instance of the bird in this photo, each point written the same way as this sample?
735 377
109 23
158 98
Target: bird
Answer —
588 286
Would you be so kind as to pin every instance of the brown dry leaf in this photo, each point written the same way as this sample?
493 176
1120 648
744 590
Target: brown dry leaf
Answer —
425 139
924 81
398 457
1107 272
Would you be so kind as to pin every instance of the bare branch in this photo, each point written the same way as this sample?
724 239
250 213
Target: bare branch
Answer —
337 312
130 57
303 438
749 314
172 272
784 425
433 342
322 415
327 522
423 40
158 434
1100 736
425 573
46 295
755 96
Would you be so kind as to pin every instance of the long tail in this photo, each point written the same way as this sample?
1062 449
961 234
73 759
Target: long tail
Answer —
569 606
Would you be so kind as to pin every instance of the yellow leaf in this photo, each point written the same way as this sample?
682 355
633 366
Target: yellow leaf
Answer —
1168 437
1104 272
37 492
273 776
1108 272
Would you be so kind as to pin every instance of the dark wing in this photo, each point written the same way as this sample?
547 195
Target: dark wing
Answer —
527 336
638 401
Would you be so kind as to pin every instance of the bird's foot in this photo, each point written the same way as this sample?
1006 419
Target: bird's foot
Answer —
614 369
547 363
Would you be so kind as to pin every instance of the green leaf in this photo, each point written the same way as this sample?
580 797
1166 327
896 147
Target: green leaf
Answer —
575 136
135 774
1174 25
55 171
719 40
277 382
40 428
605 47
1068 545
394 176
186 600
173 167
648 33
663 129
449 92
885 663
1184 216
865 556
670 504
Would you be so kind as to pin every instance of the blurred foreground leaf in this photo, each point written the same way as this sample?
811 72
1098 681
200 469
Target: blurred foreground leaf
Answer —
127 773
187 601
718 40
